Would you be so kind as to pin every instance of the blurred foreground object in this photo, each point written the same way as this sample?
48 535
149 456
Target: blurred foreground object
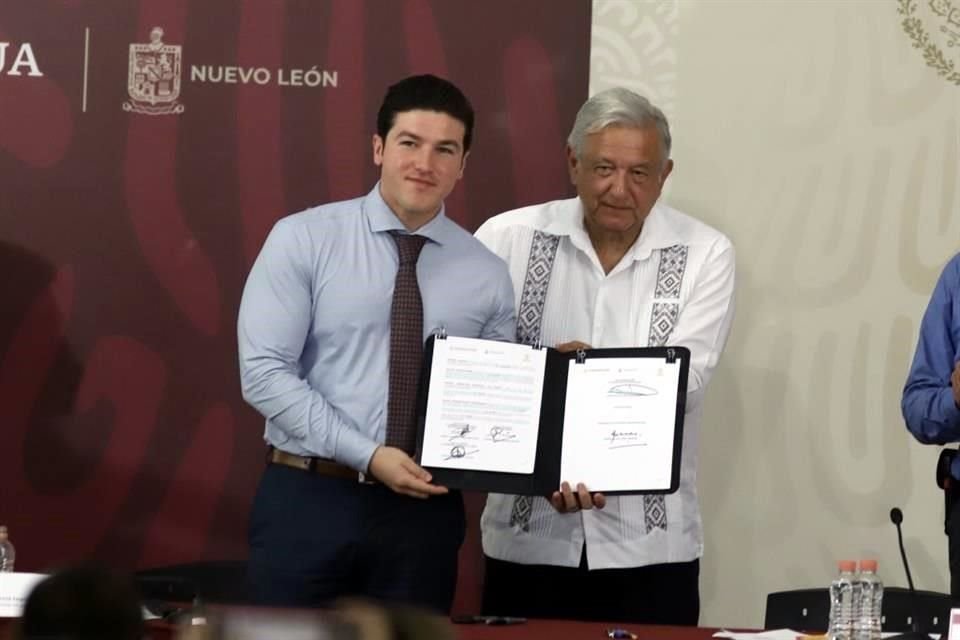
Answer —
349 620
83 603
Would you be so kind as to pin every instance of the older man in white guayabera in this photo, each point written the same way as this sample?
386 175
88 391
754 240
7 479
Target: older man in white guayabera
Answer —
612 267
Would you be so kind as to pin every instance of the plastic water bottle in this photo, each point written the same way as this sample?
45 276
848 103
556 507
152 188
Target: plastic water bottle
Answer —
198 613
868 621
843 601
7 554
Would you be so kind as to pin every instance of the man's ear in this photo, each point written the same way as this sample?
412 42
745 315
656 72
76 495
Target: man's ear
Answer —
573 164
667 169
377 150
463 164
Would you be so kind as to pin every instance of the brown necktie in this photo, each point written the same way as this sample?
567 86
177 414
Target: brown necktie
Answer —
406 345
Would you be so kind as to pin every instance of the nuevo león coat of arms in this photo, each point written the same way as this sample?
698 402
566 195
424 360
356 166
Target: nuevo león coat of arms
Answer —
153 77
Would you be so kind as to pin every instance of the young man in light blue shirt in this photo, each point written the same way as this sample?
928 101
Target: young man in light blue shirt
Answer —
315 344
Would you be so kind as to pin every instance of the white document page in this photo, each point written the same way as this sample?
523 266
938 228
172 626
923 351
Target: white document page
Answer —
619 423
483 411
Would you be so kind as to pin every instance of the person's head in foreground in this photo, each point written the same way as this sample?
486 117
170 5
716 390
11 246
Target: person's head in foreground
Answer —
83 603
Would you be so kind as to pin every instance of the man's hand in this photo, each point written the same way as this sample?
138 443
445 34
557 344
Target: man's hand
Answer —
566 501
567 347
955 383
394 468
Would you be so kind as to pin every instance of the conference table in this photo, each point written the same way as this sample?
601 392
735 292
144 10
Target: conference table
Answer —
569 630
530 630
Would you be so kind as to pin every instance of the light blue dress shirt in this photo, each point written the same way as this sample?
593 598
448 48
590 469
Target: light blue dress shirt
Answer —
314 322
928 405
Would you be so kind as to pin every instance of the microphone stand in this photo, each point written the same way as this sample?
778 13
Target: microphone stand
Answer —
915 633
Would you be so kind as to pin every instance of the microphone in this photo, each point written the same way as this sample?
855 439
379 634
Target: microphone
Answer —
896 517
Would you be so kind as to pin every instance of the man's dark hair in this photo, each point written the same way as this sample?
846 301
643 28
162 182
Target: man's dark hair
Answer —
81 603
427 93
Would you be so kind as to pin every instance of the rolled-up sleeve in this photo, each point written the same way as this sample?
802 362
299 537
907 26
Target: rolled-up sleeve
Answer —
929 408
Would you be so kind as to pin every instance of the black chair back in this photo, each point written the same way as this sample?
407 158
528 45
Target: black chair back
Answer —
220 582
800 609
932 607
809 610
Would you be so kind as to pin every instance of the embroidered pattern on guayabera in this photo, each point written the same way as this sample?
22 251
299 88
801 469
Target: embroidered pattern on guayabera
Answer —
673 263
543 252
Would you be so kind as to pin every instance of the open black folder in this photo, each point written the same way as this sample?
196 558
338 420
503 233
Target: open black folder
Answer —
518 419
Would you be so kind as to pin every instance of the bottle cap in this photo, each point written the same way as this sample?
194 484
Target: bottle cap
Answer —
847 565
868 565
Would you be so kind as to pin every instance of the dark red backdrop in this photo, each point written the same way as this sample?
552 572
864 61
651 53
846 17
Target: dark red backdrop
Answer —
125 238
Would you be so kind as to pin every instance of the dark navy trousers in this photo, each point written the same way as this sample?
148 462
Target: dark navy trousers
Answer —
953 540
315 538
654 594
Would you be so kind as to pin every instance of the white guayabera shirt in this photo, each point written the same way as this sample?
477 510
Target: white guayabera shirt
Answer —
674 286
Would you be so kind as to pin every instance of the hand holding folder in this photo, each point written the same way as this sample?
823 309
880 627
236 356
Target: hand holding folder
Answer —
394 468
567 501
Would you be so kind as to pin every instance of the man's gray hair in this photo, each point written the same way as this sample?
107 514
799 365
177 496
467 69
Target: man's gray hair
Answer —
622 108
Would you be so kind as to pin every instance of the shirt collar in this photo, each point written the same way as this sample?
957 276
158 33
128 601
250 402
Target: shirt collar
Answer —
657 232
381 218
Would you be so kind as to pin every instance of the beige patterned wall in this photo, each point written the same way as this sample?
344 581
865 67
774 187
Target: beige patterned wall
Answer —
819 139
